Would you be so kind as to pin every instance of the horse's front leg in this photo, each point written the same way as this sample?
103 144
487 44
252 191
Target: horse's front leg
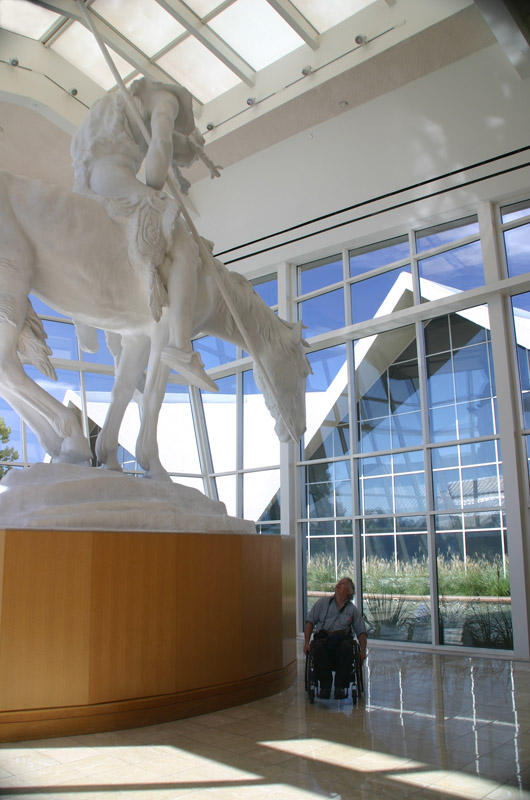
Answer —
153 396
131 363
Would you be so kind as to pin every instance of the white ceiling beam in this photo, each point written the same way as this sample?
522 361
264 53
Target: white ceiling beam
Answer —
297 21
209 39
110 36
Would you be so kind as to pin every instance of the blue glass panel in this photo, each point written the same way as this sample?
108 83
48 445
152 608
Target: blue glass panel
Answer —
321 528
459 269
378 525
321 547
325 365
517 243
406 430
515 211
443 423
343 498
409 492
378 255
35 451
220 414
318 275
411 524
449 522
465 332
342 470
450 544
404 386
414 547
446 233
444 457
367 297
472 373
323 313
478 453
408 462
375 402
480 486
61 339
103 354
214 351
475 419
379 547
320 500
344 549
267 290
484 544
446 489
42 309
440 380
377 496
374 435
437 335
378 465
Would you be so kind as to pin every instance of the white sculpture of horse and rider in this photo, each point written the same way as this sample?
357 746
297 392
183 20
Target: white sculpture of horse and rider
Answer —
70 253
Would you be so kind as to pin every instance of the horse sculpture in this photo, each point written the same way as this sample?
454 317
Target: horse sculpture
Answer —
65 249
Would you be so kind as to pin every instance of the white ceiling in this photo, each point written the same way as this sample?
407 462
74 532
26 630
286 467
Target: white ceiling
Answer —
400 40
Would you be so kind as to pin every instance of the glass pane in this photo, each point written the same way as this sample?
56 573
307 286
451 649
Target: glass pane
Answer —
220 414
42 309
102 355
256 32
382 294
10 436
26 18
226 490
387 387
61 339
460 268
196 68
323 313
214 351
327 405
267 288
515 211
261 446
144 22
364 259
319 274
323 16
78 46
203 7
473 582
517 244
438 235
261 495
177 443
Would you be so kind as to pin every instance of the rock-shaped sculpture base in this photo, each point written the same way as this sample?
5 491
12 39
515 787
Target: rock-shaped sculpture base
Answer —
71 497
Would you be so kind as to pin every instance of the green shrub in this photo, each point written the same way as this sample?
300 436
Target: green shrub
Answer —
474 577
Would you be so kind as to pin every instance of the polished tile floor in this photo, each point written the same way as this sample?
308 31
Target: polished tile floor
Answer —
429 726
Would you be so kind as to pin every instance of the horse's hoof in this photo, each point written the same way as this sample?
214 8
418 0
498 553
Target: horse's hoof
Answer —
75 450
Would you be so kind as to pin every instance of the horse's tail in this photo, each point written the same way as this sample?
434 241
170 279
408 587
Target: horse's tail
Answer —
32 343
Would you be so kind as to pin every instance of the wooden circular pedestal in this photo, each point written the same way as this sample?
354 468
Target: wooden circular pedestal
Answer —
109 630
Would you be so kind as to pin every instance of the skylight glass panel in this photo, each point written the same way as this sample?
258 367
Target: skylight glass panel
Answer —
78 46
25 18
324 14
256 32
192 65
203 7
144 22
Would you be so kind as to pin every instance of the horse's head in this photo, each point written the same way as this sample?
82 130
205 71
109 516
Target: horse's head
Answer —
287 368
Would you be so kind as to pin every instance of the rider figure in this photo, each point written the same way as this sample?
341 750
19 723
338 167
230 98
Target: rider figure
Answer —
108 150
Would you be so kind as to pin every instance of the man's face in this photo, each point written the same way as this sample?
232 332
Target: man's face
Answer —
343 588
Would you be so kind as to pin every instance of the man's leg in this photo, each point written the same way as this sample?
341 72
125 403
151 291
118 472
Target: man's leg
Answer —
323 667
343 671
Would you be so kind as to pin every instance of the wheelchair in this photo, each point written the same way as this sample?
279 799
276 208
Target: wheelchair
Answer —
356 684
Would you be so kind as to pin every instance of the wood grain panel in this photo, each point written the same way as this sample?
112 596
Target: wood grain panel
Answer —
209 633
44 637
262 609
133 649
288 599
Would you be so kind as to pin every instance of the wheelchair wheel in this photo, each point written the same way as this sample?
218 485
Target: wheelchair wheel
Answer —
311 682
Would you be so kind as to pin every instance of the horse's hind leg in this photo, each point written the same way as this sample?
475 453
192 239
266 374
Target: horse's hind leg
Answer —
131 364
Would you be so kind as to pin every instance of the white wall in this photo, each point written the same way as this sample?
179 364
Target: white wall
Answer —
474 109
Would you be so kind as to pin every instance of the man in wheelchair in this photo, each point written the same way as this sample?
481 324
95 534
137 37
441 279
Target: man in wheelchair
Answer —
332 646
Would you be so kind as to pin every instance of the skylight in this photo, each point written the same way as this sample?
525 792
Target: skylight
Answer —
256 32
80 48
144 22
25 18
324 15
192 65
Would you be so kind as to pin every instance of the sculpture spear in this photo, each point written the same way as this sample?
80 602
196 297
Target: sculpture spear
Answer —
172 183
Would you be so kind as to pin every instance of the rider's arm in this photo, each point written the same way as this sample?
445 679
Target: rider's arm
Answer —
160 151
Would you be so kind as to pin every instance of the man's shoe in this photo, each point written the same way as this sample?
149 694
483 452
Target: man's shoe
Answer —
190 366
325 691
340 694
